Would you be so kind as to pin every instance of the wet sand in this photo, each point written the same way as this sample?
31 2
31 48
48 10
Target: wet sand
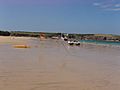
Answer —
53 65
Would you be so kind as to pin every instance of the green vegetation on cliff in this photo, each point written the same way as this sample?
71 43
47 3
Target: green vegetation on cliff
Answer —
4 33
71 36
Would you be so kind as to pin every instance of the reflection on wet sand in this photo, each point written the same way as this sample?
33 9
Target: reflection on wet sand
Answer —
53 65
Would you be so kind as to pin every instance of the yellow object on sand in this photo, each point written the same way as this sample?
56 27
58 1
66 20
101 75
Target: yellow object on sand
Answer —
21 46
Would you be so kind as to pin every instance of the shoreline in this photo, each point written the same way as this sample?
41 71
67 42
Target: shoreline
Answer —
19 40
101 45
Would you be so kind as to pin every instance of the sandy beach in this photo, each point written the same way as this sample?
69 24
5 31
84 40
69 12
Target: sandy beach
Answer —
54 65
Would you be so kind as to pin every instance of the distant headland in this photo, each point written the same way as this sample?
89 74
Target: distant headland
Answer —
101 37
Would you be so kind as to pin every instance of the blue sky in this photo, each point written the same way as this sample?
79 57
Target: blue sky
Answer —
71 16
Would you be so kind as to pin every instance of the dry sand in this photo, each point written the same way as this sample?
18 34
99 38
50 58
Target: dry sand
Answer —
52 65
14 40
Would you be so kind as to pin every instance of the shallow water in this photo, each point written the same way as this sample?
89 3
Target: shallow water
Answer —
53 65
101 42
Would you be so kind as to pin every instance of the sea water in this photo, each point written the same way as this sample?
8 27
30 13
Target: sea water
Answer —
101 42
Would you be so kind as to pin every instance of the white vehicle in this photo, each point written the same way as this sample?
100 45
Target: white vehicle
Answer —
76 42
70 42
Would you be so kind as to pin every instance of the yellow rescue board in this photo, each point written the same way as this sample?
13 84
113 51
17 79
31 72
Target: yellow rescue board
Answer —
21 46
